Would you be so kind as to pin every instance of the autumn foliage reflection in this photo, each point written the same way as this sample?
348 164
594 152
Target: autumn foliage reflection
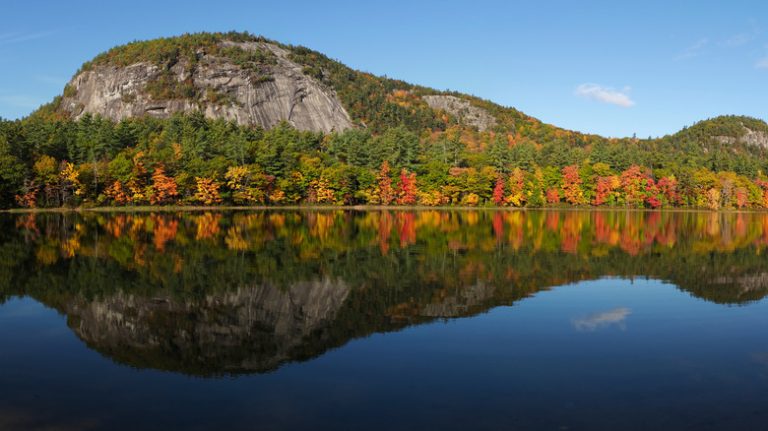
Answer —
572 232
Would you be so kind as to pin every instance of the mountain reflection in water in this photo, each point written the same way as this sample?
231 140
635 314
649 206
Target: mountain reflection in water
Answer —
211 293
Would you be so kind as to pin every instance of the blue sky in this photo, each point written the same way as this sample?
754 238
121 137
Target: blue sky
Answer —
612 68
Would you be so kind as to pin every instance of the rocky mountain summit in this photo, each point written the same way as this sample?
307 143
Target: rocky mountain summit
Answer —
251 82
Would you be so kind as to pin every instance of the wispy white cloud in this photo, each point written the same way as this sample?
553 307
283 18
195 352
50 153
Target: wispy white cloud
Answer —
605 95
694 50
762 63
13 38
742 38
737 40
20 101
616 317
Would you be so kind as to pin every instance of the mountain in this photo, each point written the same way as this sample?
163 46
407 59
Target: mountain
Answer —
255 81
259 82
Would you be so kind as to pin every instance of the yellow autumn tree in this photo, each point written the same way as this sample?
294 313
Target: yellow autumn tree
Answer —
70 181
244 185
207 191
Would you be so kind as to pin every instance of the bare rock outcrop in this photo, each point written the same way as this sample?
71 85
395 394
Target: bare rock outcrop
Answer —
215 85
464 111
750 137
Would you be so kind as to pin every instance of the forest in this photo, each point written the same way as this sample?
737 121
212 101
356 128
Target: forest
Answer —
46 161
402 152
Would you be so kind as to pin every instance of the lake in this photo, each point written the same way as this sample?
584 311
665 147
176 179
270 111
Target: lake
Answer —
384 320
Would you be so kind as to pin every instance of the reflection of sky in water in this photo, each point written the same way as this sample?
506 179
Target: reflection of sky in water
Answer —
680 361
614 317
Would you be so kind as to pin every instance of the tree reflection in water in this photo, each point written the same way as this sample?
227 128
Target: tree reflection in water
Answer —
210 293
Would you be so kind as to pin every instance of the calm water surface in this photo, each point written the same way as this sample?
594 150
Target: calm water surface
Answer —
384 320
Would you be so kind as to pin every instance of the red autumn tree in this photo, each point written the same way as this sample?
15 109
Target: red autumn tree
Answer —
498 191
406 191
605 189
553 196
633 182
652 197
668 189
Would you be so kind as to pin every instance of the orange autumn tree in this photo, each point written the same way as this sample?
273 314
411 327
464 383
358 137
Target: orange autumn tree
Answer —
385 194
164 188
572 190
516 196
207 191
406 190
117 193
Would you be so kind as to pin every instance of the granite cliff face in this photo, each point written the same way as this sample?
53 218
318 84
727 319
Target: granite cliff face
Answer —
217 85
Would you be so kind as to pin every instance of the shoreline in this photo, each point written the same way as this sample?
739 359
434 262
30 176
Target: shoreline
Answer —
195 208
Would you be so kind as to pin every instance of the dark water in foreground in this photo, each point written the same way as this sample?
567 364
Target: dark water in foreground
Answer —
384 320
